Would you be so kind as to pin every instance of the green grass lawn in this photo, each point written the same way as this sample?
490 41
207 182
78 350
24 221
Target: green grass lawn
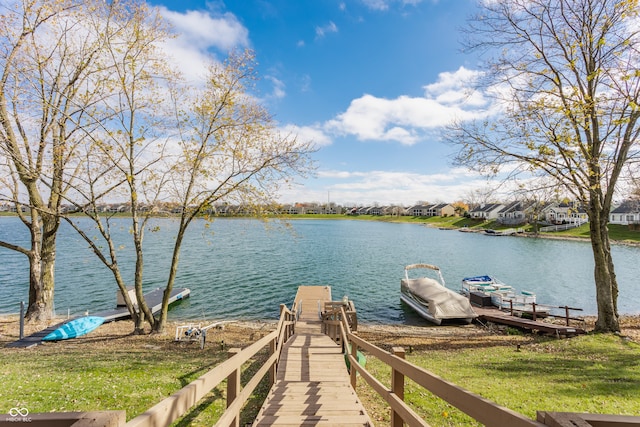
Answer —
594 373
131 374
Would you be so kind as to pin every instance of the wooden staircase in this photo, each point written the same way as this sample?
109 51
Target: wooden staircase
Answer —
312 383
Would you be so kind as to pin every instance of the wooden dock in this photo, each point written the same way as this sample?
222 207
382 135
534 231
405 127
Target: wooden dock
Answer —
312 383
153 299
497 316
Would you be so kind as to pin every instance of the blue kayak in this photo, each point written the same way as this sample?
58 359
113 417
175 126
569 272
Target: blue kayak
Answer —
75 328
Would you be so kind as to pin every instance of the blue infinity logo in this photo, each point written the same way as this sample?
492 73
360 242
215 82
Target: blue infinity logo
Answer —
23 412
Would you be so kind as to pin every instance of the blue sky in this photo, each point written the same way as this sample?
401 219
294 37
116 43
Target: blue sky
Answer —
371 82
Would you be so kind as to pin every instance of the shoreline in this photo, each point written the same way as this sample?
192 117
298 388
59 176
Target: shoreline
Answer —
530 235
375 332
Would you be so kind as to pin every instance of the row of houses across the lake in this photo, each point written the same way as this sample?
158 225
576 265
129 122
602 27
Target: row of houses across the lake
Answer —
514 213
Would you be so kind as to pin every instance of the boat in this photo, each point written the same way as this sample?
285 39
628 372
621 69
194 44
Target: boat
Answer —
523 302
505 232
431 299
503 296
75 328
486 284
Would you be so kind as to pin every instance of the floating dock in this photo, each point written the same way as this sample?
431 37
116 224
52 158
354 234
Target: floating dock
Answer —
153 299
312 383
493 314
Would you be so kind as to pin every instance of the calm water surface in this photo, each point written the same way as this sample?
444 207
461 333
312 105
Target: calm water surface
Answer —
240 269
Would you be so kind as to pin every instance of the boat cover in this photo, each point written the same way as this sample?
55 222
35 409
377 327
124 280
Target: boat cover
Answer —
478 279
442 303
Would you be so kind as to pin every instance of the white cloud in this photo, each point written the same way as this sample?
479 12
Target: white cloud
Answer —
198 34
385 187
408 119
328 28
383 5
456 88
202 30
377 4
308 133
278 87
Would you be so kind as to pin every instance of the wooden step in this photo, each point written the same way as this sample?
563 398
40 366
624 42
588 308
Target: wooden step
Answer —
314 420
312 383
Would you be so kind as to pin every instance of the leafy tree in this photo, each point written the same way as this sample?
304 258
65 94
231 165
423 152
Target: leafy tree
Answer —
460 207
566 81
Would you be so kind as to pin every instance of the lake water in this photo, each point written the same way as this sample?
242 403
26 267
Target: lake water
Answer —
240 269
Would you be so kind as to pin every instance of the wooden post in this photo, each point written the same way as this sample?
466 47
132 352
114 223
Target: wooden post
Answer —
353 371
533 305
233 386
21 319
397 387
566 313
272 370
286 328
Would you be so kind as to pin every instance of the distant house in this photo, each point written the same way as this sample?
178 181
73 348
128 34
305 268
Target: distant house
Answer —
486 210
331 209
627 213
376 210
312 209
515 213
564 213
440 209
289 210
579 213
418 210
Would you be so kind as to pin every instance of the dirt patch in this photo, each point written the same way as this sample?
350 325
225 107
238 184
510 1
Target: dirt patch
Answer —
242 333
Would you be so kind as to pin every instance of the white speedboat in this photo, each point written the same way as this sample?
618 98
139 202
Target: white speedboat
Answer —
429 297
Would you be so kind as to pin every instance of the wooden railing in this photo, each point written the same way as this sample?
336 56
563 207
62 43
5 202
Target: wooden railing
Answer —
477 407
535 313
178 404
332 315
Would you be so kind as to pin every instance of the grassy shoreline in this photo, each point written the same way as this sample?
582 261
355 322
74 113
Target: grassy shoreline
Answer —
619 234
110 369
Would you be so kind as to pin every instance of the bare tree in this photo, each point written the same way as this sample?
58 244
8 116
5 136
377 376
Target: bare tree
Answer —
125 156
225 148
567 84
537 194
47 56
479 196
230 150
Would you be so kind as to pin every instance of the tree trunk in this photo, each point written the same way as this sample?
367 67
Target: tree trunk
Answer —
42 267
175 259
605 278
37 309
